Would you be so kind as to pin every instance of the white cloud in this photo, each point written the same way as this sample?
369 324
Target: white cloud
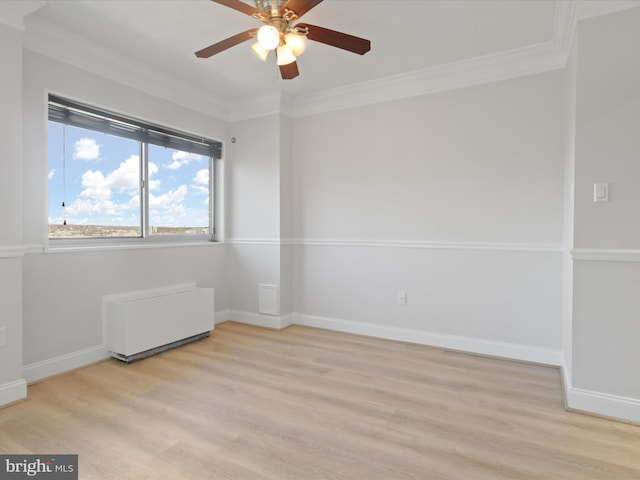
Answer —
51 173
202 177
99 196
124 179
95 186
201 182
134 202
79 206
96 207
153 184
86 149
183 158
171 199
200 189
110 208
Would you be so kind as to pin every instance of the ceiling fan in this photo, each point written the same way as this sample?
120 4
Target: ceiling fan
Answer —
281 35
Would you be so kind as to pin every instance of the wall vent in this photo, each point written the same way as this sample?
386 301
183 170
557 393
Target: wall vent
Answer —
268 297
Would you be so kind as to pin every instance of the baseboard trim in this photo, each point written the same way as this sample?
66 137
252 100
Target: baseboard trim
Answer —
261 320
54 366
576 399
611 406
589 402
13 391
545 356
222 316
64 363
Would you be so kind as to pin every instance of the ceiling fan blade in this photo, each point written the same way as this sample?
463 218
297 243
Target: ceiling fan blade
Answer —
337 39
289 71
240 6
300 7
224 44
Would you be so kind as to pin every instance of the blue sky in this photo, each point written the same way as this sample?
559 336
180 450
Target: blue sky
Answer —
99 181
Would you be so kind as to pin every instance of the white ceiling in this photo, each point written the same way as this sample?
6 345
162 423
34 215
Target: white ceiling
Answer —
160 37
405 36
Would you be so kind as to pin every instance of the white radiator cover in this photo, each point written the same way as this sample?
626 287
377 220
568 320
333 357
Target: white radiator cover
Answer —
144 320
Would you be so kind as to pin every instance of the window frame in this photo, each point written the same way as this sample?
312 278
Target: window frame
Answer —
70 112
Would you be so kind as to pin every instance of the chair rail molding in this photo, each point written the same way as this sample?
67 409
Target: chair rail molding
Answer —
431 245
605 255
11 251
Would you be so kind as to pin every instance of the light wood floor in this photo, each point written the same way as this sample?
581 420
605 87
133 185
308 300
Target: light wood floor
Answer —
252 403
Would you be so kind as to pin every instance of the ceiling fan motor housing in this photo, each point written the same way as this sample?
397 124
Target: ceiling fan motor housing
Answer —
270 7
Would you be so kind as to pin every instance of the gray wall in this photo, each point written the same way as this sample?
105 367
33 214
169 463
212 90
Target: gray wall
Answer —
606 328
12 385
455 198
62 291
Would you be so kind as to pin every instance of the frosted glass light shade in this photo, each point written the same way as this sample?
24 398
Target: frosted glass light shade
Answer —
297 42
285 55
260 51
268 37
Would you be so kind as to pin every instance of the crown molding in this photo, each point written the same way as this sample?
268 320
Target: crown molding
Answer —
495 67
12 12
596 8
476 71
254 107
49 40
564 26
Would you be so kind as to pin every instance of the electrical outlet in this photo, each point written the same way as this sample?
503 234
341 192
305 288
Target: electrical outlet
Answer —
402 297
3 336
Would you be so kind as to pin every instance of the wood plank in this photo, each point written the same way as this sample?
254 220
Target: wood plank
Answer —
304 403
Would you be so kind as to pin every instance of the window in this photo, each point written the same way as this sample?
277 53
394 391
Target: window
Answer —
113 176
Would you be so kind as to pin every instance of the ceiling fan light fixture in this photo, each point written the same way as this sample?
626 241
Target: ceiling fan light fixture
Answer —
268 37
281 32
285 55
260 51
297 42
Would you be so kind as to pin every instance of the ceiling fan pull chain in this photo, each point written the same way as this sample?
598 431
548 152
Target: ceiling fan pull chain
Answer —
64 174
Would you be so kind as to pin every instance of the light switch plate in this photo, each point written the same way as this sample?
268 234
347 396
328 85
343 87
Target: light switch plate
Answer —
600 192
